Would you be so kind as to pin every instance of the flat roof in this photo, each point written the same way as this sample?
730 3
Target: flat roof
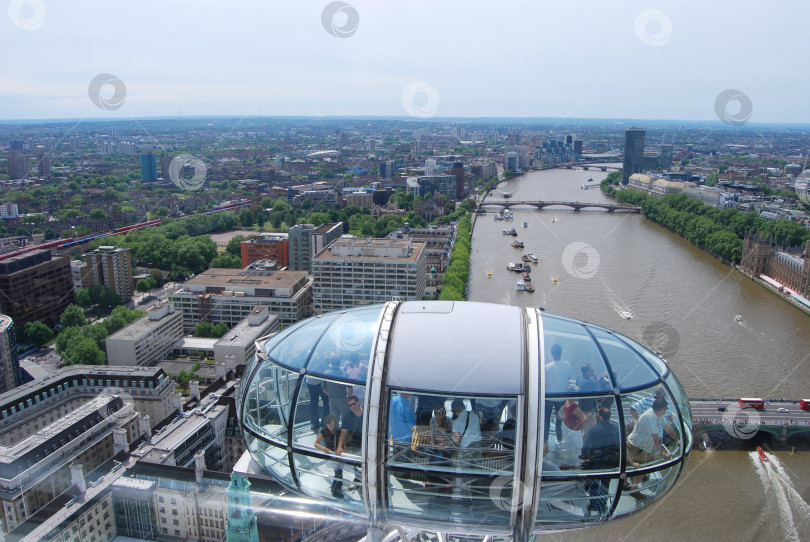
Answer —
195 343
143 325
416 249
243 334
239 277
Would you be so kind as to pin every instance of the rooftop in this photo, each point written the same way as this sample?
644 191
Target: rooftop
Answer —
226 278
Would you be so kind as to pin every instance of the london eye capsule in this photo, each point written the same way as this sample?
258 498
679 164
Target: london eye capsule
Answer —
464 418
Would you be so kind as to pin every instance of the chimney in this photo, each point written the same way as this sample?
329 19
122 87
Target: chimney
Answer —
199 466
221 369
77 477
120 442
177 402
194 389
144 427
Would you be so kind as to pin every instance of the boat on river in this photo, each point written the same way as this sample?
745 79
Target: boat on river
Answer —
517 244
527 277
761 453
511 266
520 286
532 257
626 314
526 258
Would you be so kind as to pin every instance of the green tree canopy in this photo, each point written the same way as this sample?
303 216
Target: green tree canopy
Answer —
73 316
37 333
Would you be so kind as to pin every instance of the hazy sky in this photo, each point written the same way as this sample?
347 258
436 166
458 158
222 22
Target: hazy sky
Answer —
606 58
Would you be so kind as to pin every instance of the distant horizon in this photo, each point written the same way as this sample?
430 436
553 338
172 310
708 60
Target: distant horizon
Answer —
559 121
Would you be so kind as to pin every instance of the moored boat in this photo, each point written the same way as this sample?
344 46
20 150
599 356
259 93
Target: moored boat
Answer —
527 277
517 244
532 257
511 266
529 287
520 286
525 258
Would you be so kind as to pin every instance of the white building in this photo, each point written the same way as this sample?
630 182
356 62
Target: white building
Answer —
354 272
148 339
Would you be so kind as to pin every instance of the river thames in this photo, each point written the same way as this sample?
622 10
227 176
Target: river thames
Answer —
685 304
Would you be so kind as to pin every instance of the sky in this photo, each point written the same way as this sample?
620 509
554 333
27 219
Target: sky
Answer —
735 61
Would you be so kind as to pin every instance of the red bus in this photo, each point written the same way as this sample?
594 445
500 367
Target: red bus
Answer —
804 404
751 402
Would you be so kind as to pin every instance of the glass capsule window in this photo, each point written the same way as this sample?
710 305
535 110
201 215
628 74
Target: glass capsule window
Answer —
429 412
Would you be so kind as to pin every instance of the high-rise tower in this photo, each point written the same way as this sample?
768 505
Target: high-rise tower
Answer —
633 152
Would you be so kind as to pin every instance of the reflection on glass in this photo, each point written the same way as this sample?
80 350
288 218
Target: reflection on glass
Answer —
589 438
295 352
629 369
346 345
654 485
268 401
574 348
655 436
324 478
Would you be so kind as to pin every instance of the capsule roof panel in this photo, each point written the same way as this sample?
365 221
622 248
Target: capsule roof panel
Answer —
464 347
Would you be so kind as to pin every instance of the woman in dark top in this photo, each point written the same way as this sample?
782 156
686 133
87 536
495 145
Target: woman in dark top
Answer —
327 441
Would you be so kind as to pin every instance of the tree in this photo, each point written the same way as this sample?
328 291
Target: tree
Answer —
226 261
219 330
49 234
37 333
83 350
73 316
22 232
156 274
234 246
204 329
143 286
98 214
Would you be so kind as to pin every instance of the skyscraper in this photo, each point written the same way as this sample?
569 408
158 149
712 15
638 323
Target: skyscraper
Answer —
35 286
633 152
665 158
148 167
165 162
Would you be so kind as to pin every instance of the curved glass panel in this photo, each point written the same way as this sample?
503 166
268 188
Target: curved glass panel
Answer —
268 401
655 436
330 479
686 411
629 370
650 488
294 353
569 348
272 458
562 502
657 363
281 335
345 349
589 440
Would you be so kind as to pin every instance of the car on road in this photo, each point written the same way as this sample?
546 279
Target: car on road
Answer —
782 410
721 408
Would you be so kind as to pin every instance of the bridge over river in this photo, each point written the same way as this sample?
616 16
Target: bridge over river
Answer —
725 414
575 205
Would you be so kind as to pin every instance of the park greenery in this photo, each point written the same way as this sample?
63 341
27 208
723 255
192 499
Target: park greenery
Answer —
454 281
718 231
82 343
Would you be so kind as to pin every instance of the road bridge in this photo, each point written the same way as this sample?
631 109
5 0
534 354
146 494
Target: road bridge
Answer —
574 205
725 414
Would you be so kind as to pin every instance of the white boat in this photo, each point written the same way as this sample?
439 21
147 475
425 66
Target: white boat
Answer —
520 286
532 257
511 266
626 314
739 318
525 224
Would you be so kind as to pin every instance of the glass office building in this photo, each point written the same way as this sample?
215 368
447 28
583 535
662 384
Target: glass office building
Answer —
470 418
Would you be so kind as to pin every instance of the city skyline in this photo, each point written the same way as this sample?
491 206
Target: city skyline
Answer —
420 61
